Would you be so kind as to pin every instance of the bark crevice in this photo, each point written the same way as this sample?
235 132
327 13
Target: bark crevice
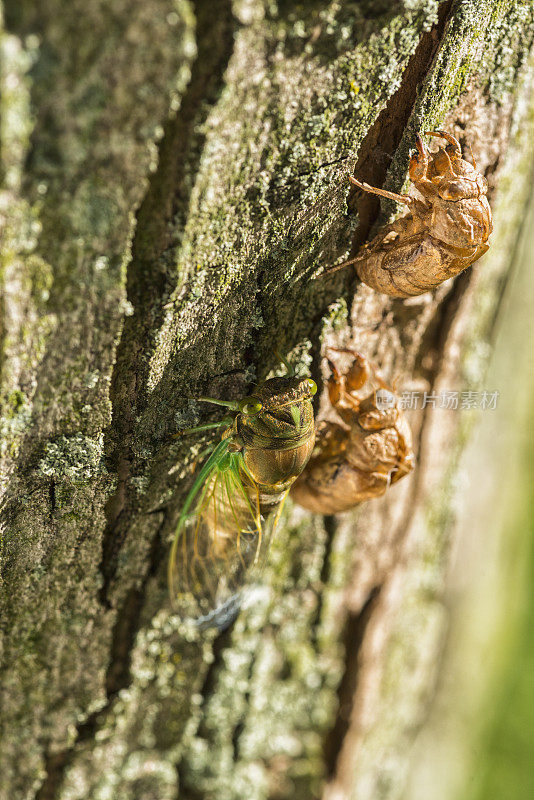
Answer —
352 638
379 145
151 274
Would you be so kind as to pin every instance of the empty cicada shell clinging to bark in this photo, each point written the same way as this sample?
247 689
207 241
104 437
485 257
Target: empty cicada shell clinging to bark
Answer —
443 233
359 457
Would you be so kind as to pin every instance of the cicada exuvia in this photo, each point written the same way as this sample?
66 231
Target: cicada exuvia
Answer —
444 232
228 518
367 450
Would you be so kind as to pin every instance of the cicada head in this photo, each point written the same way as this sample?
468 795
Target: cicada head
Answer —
275 425
445 173
454 177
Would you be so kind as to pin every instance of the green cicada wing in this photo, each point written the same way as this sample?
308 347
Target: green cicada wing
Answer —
204 478
222 537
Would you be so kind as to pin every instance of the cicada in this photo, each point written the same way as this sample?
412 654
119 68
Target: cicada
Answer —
358 457
444 232
228 518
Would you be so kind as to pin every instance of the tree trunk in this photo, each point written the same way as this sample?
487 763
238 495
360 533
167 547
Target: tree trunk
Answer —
175 174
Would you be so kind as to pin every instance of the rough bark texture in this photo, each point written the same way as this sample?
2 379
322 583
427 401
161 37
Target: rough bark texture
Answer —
175 173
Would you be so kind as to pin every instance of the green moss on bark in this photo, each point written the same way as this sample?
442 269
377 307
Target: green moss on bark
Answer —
240 197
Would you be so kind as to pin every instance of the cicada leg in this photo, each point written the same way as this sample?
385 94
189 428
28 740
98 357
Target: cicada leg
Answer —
209 427
405 199
455 144
228 403
285 362
343 387
366 187
359 371
418 161
472 156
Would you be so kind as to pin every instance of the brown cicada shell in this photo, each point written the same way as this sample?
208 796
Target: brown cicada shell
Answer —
359 458
443 233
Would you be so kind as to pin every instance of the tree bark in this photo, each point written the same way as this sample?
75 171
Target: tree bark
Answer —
175 174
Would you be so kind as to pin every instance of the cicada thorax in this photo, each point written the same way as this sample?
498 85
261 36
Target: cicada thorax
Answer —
358 458
278 442
458 213
225 529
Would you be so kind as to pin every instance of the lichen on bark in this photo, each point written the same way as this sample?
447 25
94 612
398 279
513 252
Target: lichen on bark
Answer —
181 168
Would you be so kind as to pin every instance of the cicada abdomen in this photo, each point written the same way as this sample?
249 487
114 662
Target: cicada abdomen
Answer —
444 232
226 525
359 457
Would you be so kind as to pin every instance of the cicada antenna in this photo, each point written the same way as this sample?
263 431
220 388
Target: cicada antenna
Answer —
285 362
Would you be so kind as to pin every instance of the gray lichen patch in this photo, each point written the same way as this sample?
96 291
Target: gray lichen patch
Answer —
25 276
139 738
75 458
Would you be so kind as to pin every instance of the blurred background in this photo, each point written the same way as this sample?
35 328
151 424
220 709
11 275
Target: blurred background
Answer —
479 742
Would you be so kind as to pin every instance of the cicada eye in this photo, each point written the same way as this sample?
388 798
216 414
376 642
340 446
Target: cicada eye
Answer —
312 386
250 405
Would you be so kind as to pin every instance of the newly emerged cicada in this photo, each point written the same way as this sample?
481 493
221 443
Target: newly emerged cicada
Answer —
359 457
228 518
444 232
